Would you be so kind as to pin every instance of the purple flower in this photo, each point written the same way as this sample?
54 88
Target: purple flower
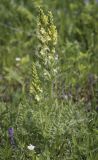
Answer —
11 132
11 135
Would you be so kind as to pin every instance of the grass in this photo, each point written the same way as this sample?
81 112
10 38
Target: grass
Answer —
58 131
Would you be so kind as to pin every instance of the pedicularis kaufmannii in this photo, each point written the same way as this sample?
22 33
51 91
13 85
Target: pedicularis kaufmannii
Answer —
45 66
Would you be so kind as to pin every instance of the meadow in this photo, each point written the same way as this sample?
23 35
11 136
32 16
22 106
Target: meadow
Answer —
49 80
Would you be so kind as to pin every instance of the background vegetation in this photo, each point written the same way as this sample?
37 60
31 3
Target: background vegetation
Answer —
49 79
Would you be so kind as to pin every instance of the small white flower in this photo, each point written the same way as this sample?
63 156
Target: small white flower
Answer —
56 57
31 147
65 97
18 59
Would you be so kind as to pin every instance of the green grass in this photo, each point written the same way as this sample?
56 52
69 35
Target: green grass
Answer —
58 131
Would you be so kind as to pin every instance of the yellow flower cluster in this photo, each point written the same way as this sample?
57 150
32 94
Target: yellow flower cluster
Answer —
47 36
35 88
